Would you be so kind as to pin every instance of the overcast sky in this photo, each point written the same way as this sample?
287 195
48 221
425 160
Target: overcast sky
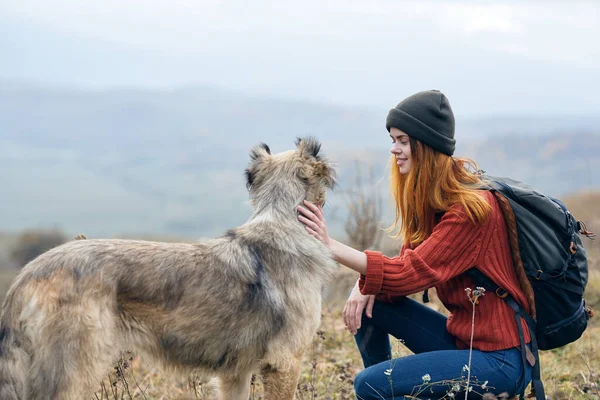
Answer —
489 57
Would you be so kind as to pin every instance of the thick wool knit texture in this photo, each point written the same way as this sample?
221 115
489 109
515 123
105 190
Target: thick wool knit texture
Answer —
427 117
455 245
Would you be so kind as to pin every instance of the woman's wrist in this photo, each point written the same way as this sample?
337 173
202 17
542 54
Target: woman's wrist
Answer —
331 244
335 247
351 258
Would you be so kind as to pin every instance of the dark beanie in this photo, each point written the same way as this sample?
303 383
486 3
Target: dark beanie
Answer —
427 117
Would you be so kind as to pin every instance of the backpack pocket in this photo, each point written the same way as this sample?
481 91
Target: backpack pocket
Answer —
565 331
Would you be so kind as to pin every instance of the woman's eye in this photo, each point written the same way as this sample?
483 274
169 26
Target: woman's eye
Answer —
404 143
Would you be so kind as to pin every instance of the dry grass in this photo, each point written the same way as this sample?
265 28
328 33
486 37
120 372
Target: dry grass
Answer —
572 372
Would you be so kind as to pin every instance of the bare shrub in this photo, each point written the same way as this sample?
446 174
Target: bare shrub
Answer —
32 243
362 225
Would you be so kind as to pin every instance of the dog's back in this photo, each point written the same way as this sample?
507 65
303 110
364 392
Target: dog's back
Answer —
217 306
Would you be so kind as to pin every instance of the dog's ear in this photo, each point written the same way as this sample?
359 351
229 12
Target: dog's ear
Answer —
258 156
325 171
308 146
259 151
311 147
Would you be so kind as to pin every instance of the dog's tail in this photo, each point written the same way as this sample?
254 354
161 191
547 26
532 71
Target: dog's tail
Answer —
14 363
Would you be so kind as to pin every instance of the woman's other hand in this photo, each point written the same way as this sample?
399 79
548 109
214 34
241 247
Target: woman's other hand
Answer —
354 307
314 221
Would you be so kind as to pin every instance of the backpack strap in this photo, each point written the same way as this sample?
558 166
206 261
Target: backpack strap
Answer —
527 356
513 240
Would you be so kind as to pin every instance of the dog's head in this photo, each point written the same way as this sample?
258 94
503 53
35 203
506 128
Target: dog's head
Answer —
289 177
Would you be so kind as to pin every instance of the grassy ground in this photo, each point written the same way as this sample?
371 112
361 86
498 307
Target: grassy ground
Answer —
332 361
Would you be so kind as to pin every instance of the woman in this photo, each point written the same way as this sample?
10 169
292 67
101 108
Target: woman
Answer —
448 225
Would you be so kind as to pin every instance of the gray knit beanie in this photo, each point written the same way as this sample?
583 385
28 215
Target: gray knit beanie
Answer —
427 117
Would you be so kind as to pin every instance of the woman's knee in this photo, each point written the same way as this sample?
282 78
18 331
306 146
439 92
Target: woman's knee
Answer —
360 384
365 386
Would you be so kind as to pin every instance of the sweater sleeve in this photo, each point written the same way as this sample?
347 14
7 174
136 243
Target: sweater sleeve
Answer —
452 248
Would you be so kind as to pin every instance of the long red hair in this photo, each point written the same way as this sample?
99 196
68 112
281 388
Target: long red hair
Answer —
434 182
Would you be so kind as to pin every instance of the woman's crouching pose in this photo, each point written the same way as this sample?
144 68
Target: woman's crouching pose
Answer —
448 224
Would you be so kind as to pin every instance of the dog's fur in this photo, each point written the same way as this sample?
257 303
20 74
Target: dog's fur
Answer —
246 302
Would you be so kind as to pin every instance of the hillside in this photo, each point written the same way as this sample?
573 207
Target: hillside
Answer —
171 162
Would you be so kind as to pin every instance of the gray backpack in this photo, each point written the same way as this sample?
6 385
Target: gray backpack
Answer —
551 264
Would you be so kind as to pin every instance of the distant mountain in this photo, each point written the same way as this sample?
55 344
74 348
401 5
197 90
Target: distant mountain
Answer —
171 162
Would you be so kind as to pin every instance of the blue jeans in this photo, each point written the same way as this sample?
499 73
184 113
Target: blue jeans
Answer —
423 331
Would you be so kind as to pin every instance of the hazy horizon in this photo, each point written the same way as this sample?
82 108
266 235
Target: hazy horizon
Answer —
129 116
172 162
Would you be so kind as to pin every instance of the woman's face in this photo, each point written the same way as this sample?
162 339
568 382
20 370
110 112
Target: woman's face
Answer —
401 150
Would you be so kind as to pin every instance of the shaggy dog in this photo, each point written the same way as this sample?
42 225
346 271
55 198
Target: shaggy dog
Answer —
245 302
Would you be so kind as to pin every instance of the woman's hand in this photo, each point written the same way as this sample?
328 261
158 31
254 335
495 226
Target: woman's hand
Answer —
355 305
314 221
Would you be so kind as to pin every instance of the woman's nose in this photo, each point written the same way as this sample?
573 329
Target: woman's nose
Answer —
395 149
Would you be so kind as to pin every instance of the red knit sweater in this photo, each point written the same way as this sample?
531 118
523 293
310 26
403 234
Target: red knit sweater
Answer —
455 245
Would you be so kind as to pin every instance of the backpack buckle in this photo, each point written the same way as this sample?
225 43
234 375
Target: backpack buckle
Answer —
501 293
573 248
539 274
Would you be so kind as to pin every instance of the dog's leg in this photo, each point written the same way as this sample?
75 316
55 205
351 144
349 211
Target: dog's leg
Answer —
235 387
280 384
74 347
